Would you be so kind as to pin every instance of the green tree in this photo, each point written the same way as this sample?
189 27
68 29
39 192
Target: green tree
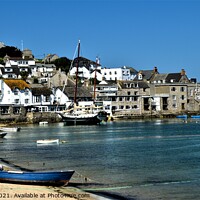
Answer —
24 75
63 63
10 51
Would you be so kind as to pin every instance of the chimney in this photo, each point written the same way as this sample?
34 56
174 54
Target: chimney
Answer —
155 70
183 72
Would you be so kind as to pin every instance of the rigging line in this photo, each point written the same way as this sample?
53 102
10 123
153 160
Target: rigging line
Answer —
68 74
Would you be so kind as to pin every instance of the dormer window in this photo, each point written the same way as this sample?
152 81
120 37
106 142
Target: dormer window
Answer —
16 92
26 92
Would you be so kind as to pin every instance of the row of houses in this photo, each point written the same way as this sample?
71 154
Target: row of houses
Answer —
120 91
121 98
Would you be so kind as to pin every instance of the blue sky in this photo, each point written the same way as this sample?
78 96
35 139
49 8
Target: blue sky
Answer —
136 33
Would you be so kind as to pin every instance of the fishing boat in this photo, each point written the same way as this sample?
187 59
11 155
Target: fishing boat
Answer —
48 141
55 178
10 129
2 134
75 117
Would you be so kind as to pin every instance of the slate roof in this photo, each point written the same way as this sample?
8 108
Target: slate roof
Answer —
45 65
147 74
159 77
173 76
82 92
37 91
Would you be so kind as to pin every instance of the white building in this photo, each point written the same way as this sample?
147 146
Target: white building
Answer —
114 74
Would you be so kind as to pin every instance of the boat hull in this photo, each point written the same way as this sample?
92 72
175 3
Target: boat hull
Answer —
37 178
79 120
10 129
3 134
53 141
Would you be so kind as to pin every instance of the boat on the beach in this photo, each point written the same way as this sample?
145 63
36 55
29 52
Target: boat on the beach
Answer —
48 141
55 178
2 134
10 129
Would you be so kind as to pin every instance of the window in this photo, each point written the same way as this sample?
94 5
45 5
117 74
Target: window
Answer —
46 99
26 101
120 98
182 97
140 76
174 105
26 92
135 107
182 89
128 93
16 92
174 97
16 101
38 98
173 89
121 107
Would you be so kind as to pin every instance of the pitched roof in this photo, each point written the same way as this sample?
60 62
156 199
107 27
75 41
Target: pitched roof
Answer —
173 76
159 77
41 91
82 92
147 74
16 83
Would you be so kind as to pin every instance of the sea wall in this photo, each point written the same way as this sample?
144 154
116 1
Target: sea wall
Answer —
36 117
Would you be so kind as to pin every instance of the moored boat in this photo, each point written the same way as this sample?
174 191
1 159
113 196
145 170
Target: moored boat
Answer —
2 134
195 116
55 178
43 123
48 141
182 116
79 118
10 129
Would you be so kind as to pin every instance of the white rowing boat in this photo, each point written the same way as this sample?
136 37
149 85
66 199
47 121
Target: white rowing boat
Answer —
48 141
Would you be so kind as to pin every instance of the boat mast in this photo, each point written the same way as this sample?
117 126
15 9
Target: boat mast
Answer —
95 77
77 66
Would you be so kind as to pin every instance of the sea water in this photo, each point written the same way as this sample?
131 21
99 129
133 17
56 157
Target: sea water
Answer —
138 159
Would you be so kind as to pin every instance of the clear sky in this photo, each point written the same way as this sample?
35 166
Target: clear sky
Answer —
136 33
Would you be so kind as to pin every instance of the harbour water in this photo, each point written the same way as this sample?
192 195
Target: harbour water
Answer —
140 159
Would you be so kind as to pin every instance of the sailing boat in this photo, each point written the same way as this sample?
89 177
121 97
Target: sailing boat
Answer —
75 117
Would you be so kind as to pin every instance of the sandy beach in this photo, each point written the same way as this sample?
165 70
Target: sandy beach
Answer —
27 192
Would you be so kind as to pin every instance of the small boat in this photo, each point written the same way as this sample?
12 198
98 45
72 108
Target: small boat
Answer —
195 116
2 134
53 178
10 129
182 116
48 141
43 123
